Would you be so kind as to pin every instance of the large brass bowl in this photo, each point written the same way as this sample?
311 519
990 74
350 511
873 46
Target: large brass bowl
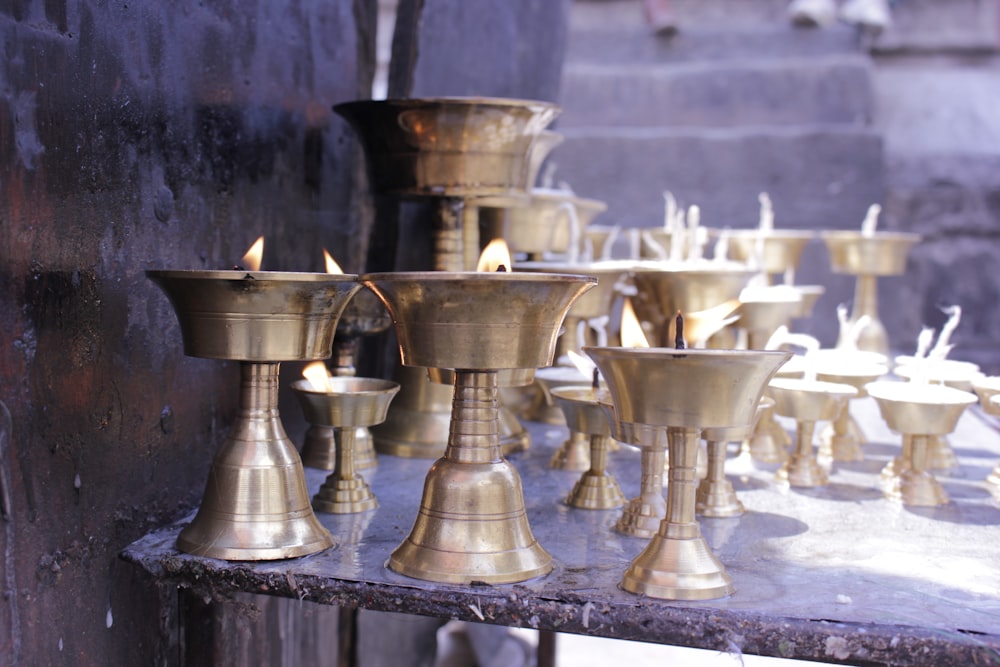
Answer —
449 146
474 320
261 316
692 389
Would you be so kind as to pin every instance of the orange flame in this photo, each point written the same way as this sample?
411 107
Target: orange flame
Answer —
331 263
495 255
318 376
631 333
251 261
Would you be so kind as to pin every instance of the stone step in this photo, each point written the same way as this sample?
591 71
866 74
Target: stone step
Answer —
829 89
637 44
819 177
625 14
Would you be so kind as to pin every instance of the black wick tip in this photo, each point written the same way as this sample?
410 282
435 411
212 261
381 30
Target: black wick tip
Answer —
679 341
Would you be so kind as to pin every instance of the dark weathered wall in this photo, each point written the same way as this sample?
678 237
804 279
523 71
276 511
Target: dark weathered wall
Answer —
133 136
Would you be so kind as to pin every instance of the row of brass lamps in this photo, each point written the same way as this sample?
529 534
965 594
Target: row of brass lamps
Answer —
485 330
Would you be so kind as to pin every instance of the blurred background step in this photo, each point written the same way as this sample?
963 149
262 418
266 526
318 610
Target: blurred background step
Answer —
822 89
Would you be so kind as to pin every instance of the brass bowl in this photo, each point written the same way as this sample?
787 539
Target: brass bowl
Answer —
474 320
349 402
449 146
809 400
920 409
693 389
782 248
262 316
880 254
542 224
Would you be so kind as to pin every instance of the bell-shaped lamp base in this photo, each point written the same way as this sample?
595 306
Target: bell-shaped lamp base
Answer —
256 504
678 565
717 499
471 527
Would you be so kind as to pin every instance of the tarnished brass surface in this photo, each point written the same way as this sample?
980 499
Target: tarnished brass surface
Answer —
470 320
879 254
597 489
348 403
256 505
256 315
449 146
782 247
543 224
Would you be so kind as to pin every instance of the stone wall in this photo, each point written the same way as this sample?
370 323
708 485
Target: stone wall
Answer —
136 136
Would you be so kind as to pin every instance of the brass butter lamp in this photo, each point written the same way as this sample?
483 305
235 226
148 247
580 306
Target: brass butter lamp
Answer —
454 151
364 315
344 404
919 410
471 524
681 393
807 401
597 488
843 439
256 505
869 255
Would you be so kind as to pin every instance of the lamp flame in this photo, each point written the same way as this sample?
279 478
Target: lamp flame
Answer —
331 263
631 333
495 254
318 376
252 260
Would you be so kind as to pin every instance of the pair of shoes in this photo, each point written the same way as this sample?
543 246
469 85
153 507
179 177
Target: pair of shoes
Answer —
812 13
660 17
872 14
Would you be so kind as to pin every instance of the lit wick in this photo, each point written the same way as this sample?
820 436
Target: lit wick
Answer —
596 381
501 269
679 341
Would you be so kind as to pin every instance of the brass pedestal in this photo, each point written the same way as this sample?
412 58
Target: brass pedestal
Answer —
256 505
